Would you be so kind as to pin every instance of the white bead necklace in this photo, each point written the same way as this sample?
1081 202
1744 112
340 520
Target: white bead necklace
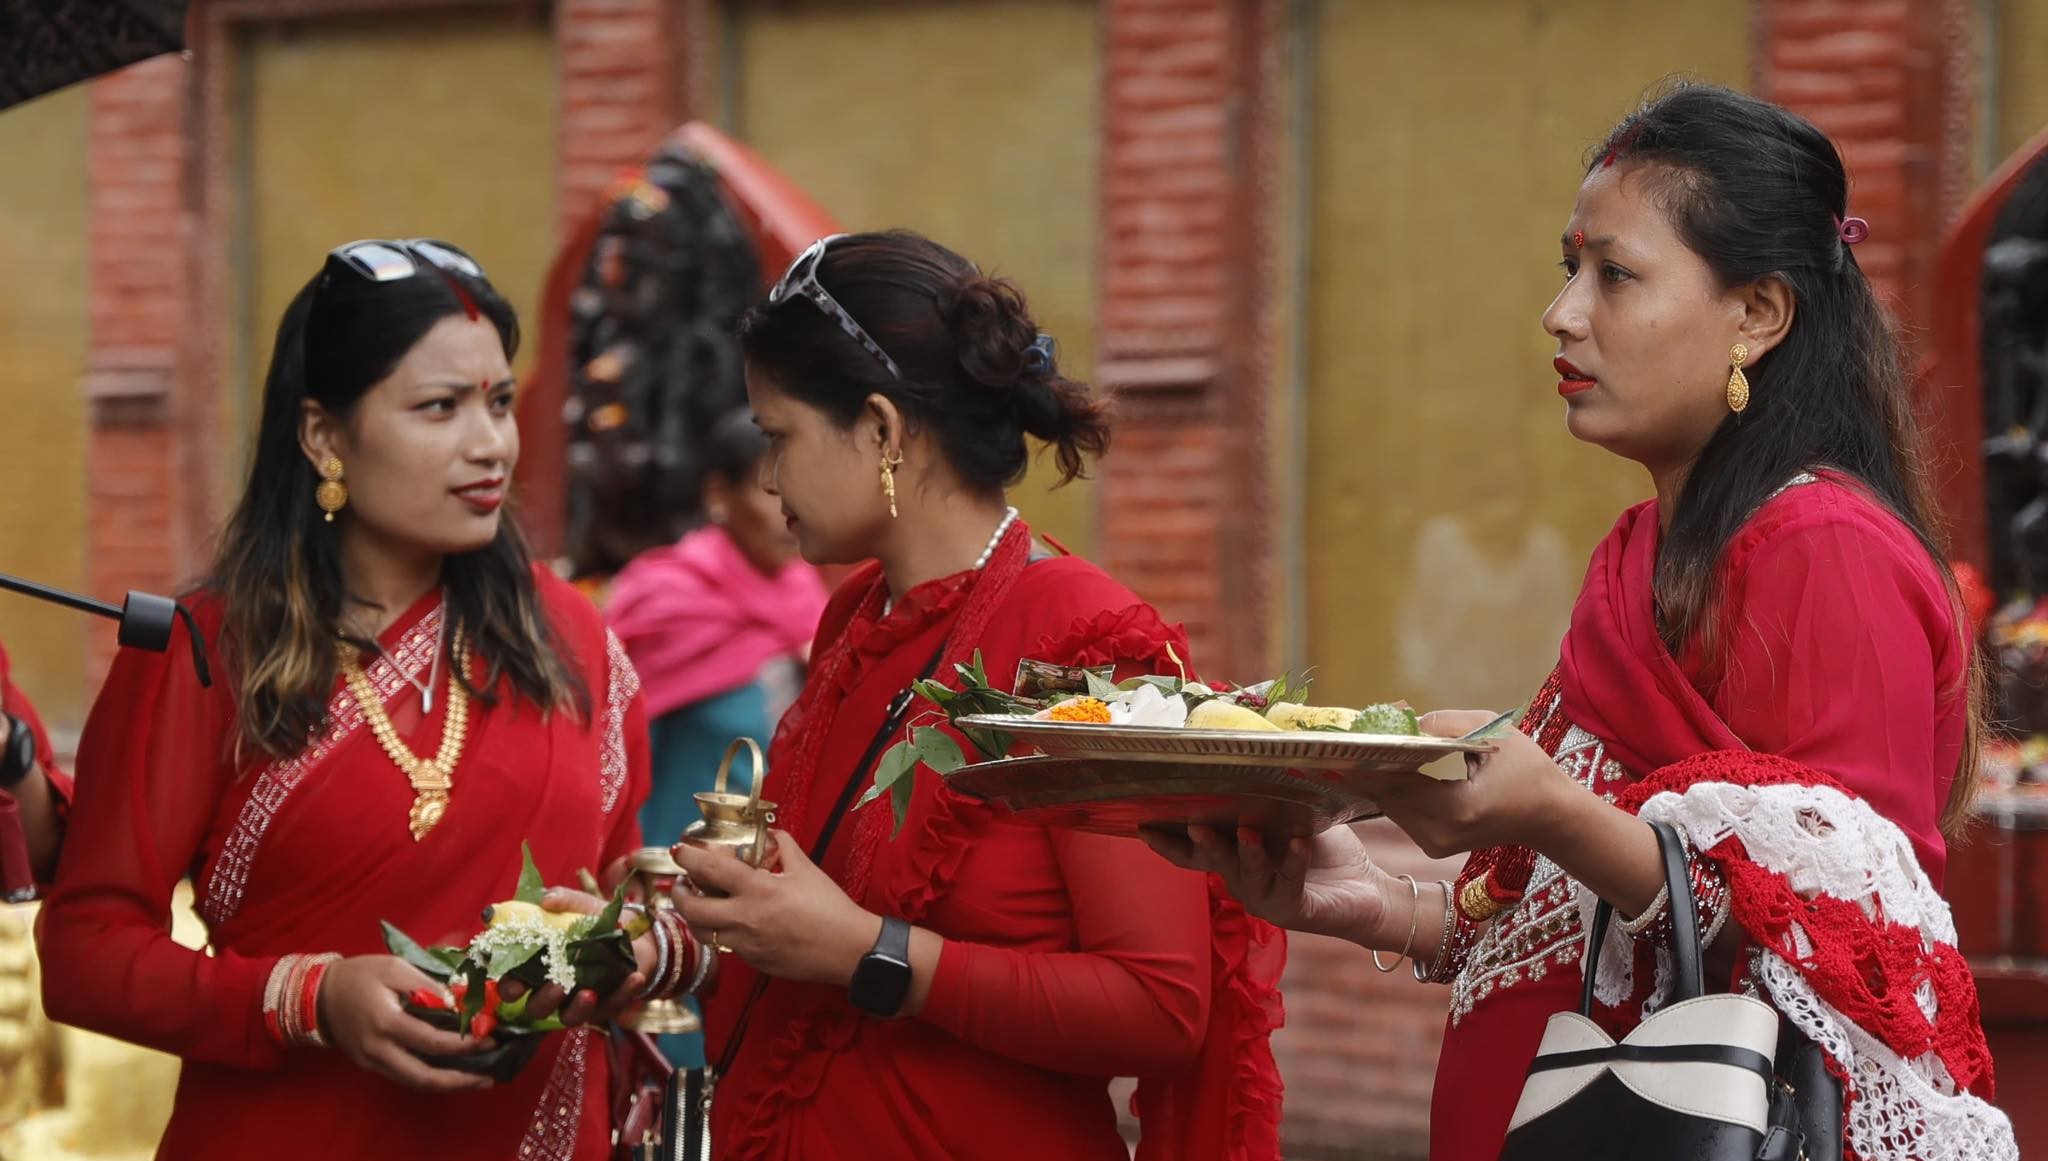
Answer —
1009 518
980 562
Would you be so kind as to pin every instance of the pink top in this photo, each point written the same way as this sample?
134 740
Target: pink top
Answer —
698 619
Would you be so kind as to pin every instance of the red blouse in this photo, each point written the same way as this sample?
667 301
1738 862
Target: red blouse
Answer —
308 854
17 877
1069 958
1843 654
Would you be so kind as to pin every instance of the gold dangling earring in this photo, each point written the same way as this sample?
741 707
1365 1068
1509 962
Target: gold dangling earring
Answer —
1738 383
890 459
332 494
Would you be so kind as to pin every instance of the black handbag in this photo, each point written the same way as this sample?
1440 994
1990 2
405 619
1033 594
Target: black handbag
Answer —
1717 1077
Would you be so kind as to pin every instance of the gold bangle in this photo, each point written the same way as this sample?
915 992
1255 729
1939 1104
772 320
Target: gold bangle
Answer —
1414 919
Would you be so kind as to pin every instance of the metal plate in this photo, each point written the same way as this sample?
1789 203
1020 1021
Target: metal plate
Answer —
1295 750
1115 796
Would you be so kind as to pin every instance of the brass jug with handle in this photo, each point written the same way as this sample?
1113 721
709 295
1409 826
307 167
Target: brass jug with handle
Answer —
734 823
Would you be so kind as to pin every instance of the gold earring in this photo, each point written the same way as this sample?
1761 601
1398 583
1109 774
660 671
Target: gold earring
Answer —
1738 383
890 459
332 494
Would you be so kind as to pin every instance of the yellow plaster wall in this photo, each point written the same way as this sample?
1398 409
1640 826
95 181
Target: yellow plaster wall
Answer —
972 122
437 124
1449 514
42 413
2020 56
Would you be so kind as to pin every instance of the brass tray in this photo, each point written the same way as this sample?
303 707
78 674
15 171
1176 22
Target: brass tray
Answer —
1285 750
1117 796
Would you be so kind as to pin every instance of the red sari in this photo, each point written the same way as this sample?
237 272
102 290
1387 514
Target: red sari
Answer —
1843 656
308 854
1069 958
17 877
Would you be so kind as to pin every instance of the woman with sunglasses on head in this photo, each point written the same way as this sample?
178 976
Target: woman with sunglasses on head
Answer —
1769 656
967 987
408 699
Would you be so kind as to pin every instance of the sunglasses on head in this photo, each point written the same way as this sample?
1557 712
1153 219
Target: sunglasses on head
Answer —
801 281
387 260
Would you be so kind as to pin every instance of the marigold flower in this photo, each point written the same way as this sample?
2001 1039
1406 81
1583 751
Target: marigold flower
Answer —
1081 709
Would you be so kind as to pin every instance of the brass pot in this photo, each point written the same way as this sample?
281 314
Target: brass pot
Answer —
734 823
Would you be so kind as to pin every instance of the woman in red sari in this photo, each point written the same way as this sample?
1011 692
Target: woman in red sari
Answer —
409 699
1769 655
965 989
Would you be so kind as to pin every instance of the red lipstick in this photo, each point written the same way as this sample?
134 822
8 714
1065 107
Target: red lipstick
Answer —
1571 381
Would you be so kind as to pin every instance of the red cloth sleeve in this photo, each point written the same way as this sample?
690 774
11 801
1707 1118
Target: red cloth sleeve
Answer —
152 772
1844 655
1132 999
1133 996
17 877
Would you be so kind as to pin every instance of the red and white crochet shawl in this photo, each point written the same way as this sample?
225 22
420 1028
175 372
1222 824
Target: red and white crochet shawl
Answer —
1850 941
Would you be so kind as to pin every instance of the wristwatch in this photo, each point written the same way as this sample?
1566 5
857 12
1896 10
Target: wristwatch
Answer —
18 756
882 981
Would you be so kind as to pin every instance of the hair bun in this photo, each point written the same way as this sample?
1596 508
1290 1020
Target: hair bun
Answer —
992 330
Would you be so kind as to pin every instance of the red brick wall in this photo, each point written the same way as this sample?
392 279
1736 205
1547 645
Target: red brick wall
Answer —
622 89
145 486
1186 117
1879 76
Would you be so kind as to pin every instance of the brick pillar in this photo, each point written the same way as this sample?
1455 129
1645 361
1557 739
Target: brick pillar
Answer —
622 87
1881 78
146 481
629 71
1186 159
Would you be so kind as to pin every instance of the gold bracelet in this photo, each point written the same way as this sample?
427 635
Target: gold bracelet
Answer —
1414 919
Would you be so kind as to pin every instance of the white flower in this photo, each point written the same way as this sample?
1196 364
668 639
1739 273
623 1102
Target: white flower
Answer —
1146 706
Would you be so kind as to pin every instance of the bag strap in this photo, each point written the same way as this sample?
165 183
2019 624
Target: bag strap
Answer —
890 722
1685 925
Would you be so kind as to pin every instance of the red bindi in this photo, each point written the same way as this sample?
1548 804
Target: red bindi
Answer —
1579 238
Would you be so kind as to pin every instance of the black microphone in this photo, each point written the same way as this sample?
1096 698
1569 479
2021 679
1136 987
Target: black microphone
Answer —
146 619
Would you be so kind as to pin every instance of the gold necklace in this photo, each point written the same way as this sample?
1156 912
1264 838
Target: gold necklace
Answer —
431 779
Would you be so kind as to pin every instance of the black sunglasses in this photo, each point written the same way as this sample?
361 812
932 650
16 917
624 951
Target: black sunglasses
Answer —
387 260
801 281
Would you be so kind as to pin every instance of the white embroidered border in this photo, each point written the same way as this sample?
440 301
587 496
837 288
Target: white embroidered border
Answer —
552 1135
224 886
1826 842
624 687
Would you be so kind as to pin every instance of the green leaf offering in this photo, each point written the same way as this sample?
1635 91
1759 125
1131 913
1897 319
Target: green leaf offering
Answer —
521 942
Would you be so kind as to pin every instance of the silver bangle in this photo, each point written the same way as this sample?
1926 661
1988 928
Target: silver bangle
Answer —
1634 928
1414 922
706 960
1424 975
662 950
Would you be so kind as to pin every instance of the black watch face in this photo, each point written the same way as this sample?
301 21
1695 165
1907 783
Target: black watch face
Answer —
879 985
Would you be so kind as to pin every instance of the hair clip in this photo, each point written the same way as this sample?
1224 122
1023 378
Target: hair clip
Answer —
1042 355
1852 230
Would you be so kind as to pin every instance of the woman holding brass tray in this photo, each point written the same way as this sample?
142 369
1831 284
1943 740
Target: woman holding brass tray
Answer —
1769 658
407 699
964 987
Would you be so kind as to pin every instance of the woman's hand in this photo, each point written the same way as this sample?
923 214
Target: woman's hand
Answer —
793 923
586 1006
1515 795
361 1011
1326 885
